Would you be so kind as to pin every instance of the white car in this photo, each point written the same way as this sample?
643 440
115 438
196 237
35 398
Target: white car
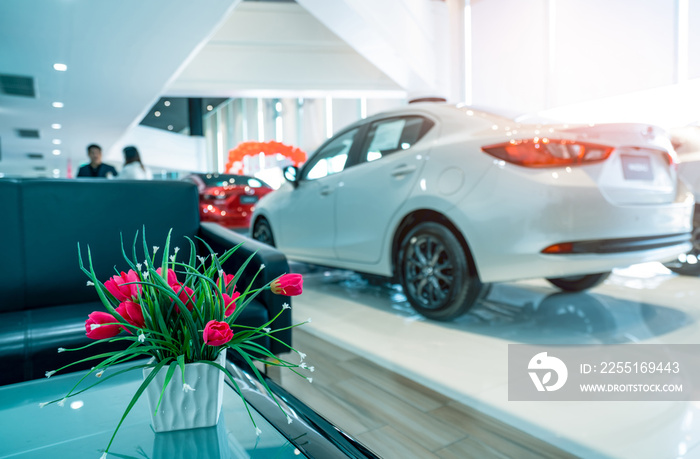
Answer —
444 198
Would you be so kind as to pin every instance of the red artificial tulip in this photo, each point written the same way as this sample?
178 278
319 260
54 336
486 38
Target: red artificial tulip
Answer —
115 286
227 278
217 333
186 295
95 329
287 284
230 303
172 277
132 313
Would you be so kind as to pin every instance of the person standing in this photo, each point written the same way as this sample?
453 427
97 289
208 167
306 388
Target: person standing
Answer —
133 167
96 168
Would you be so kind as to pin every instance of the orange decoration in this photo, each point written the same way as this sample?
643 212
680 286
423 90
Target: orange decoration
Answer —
270 148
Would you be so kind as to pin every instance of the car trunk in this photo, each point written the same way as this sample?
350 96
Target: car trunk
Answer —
642 167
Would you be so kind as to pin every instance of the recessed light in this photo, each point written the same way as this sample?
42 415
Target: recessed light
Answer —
56 126
210 107
56 141
170 127
157 114
57 104
56 152
166 103
60 67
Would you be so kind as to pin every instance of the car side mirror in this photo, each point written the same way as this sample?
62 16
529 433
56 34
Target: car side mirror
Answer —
290 174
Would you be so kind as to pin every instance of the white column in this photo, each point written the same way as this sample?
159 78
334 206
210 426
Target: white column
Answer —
550 53
458 51
681 58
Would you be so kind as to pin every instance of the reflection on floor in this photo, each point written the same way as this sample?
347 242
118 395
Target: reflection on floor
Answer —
466 360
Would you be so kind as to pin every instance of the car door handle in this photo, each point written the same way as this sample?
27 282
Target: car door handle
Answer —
326 190
403 169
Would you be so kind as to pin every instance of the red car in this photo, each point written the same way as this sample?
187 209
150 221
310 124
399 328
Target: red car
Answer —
228 199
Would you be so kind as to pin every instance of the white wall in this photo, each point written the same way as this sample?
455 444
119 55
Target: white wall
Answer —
509 54
534 55
609 47
693 28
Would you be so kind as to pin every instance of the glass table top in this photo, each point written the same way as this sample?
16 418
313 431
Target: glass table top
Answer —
84 425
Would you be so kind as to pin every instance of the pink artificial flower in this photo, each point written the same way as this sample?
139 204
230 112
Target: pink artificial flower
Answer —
115 286
172 277
287 284
217 333
230 302
94 328
186 295
132 313
227 278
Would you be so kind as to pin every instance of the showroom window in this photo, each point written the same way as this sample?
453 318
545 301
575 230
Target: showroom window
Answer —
331 159
392 135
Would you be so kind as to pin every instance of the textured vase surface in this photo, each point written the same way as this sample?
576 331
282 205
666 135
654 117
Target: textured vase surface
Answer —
187 409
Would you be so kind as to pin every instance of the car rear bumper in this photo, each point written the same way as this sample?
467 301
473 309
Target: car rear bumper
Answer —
227 221
533 213
631 244
563 265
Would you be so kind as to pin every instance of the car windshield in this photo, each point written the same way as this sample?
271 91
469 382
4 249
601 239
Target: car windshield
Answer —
230 179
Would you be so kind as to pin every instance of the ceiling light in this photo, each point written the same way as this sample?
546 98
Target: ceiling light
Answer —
157 114
170 127
210 107
57 104
166 103
56 126
56 152
56 141
60 67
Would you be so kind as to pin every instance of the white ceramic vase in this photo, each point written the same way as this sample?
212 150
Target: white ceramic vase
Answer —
187 409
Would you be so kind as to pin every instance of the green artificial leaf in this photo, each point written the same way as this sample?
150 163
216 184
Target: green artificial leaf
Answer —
136 396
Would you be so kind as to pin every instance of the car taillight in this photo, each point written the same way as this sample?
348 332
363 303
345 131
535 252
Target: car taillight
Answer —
544 152
671 158
564 247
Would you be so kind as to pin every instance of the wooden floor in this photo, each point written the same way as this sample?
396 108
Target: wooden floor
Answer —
396 417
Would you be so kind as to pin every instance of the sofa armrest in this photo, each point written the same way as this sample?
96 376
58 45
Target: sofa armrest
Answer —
221 239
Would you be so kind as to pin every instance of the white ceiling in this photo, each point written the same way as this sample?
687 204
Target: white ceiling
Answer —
268 49
120 57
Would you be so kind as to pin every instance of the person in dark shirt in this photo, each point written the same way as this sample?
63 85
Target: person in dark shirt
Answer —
96 168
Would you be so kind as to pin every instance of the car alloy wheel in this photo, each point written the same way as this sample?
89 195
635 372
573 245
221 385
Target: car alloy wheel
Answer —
688 264
434 272
263 233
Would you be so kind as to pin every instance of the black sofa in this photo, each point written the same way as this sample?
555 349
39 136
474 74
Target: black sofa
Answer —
44 297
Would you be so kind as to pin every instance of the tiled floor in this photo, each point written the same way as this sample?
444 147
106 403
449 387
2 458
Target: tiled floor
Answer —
464 365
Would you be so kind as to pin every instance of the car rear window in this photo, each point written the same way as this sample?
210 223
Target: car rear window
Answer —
230 179
394 134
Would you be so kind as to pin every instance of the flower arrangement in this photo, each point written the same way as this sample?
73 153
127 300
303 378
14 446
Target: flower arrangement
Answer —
178 313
